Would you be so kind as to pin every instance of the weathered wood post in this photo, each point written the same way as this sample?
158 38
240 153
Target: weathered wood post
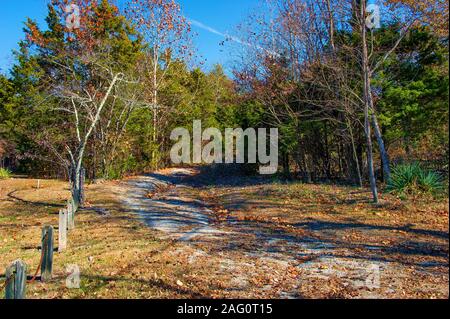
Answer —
62 230
47 253
70 215
16 278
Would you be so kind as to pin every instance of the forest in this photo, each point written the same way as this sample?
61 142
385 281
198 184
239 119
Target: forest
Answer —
358 90
349 102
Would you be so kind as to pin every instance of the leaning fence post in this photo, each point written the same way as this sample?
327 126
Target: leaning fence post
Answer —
70 215
47 253
62 230
16 278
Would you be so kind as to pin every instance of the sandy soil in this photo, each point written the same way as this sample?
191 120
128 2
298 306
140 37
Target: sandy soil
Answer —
199 233
257 258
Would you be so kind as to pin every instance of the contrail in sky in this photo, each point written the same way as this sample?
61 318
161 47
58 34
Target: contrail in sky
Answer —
227 36
205 27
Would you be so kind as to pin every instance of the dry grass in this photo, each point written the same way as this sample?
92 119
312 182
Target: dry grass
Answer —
411 235
119 258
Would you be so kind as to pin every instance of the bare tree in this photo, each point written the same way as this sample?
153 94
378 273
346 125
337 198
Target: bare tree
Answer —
82 79
167 35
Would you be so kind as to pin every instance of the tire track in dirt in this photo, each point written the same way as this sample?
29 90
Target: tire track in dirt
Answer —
177 217
256 262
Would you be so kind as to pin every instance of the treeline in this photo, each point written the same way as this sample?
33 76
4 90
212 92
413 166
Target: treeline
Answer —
142 85
350 99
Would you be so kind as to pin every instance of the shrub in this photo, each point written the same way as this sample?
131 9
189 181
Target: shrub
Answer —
412 179
5 173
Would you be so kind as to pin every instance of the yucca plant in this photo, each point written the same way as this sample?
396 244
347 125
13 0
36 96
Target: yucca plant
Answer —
5 173
430 182
412 179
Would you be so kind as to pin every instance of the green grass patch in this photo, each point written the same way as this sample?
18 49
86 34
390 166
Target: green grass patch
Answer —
5 173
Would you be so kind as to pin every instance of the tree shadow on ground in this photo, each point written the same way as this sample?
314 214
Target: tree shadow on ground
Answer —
327 225
313 238
44 204
262 238
173 289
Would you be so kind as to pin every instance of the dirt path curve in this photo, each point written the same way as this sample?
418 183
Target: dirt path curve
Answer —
168 211
252 260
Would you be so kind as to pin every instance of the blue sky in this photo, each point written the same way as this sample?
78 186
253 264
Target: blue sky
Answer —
220 15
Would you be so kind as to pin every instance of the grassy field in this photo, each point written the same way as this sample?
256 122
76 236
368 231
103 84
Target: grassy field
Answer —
118 257
121 258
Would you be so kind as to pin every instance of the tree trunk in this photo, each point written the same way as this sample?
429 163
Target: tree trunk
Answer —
383 153
75 170
355 155
155 109
75 183
286 169
368 102
308 177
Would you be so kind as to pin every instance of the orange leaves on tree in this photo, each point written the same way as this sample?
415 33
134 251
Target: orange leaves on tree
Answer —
92 19
162 24
431 12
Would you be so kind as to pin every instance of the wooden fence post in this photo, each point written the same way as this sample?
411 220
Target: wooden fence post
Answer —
47 253
16 278
70 215
62 230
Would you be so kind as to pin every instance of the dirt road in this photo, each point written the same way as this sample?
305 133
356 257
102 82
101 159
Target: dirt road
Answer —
254 260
